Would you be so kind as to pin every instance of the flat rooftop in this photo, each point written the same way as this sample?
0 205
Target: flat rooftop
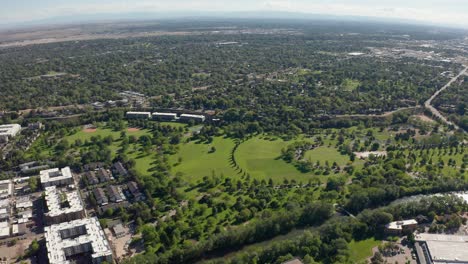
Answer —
398 225
55 198
138 113
75 234
9 129
55 174
445 248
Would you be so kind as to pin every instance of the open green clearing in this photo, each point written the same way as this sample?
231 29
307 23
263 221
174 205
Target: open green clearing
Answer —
360 250
324 154
350 84
103 132
259 157
197 161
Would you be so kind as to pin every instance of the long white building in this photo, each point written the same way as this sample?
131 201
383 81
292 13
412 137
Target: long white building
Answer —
164 116
56 176
138 115
196 118
83 236
62 206
9 131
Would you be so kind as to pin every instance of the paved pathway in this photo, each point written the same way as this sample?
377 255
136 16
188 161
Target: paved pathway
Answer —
428 103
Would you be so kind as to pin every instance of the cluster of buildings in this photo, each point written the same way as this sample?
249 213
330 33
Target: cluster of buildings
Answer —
8 131
70 235
166 116
15 211
110 104
106 193
432 248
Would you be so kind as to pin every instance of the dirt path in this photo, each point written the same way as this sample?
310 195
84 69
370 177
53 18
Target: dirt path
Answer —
428 103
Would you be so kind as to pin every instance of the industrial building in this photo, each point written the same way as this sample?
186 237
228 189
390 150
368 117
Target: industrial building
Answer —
9 131
82 238
441 249
56 177
188 117
62 206
164 116
138 115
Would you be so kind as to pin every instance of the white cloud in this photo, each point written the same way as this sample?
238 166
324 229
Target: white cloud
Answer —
278 5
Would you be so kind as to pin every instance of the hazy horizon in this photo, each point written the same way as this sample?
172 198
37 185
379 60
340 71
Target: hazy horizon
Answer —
431 12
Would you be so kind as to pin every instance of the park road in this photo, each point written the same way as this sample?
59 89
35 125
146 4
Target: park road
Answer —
436 112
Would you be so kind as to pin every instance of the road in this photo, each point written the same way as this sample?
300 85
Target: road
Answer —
435 112
379 115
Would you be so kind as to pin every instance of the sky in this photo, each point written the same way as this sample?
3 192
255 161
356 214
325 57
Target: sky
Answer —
443 12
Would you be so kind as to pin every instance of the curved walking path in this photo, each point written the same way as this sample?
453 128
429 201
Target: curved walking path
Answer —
436 112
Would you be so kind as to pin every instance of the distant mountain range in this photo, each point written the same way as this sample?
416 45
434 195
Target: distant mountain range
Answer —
112 17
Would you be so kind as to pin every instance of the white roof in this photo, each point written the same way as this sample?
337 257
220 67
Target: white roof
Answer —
93 234
446 248
23 202
53 197
55 174
398 225
164 114
194 116
4 231
4 203
138 113
9 129
14 229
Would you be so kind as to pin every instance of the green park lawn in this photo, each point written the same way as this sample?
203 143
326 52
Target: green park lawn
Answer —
103 132
257 156
261 159
360 250
197 161
324 154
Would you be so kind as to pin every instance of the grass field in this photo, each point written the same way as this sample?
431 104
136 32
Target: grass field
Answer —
103 132
350 84
260 158
360 250
324 154
257 156
198 162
